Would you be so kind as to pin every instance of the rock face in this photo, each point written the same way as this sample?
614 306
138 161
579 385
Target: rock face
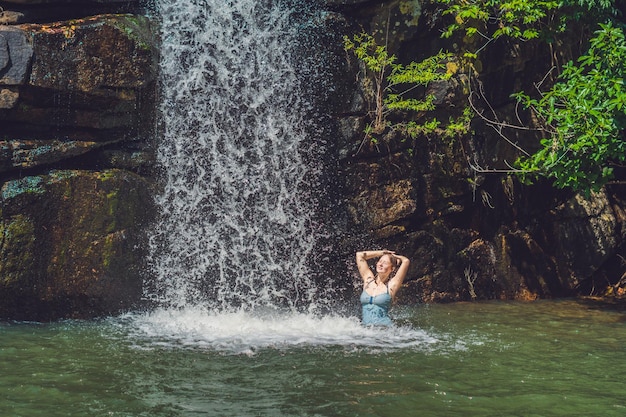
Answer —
69 243
76 110
469 234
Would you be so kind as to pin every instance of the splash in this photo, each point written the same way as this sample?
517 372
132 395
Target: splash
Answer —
244 333
237 225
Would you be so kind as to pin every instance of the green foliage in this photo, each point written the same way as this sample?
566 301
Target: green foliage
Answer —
375 57
456 126
414 129
397 84
520 19
413 75
590 10
585 114
459 126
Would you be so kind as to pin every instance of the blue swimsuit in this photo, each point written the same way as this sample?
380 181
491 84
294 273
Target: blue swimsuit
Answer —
376 308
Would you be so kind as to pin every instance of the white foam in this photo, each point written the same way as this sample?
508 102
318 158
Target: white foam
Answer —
244 332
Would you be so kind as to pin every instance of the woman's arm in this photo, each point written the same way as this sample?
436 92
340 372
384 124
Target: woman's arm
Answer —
361 262
396 282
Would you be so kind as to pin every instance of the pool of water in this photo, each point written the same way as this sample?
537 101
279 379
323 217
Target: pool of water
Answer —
549 358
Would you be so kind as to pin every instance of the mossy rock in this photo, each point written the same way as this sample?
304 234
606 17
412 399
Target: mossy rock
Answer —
17 240
72 243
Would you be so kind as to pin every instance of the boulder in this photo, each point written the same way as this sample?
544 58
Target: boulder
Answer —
8 17
16 53
71 243
77 114
8 97
85 79
32 153
96 54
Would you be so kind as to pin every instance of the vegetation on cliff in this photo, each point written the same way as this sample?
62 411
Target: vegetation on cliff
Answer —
581 116
584 116
395 82
508 201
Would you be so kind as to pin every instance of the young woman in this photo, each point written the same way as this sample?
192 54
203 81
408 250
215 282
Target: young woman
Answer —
380 289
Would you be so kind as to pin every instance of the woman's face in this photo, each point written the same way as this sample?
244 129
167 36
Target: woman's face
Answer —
384 265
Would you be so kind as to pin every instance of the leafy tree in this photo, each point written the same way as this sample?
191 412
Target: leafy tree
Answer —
523 20
520 19
582 115
585 116
396 83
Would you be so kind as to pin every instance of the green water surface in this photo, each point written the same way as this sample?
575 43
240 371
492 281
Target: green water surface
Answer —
556 358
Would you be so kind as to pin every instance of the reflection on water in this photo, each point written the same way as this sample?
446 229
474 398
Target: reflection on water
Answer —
561 358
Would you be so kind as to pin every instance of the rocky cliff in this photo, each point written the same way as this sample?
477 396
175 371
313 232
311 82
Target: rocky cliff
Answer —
77 89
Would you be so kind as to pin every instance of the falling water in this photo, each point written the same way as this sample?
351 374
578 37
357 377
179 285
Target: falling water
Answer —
237 227
244 226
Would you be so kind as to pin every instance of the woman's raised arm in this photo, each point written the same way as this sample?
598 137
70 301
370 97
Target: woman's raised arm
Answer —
396 282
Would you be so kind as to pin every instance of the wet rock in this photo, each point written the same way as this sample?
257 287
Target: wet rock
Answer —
524 269
17 251
8 97
71 244
384 206
31 153
17 12
15 55
93 54
132 160
585 235
5 58
8 17
90 79
80 94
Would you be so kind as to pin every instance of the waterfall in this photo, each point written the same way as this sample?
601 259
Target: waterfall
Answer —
237 226
237 253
